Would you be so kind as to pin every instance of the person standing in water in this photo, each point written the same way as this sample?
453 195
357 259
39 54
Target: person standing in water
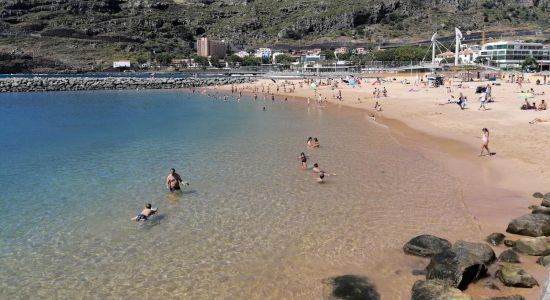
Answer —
303 159
173 180
485 142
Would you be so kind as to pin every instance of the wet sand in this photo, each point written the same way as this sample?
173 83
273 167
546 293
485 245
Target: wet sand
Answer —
494 189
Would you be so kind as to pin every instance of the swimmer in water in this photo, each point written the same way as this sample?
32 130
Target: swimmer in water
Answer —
316 143
309 142
145 213
316 169
263 108
303 159
321 178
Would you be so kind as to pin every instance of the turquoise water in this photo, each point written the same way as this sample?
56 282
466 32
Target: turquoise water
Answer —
75 167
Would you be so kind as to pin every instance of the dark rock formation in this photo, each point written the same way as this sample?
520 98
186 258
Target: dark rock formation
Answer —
426 245
495 238
435 289
541 210
546 200
544 261
538 195
483 251
353 287
539 246
40 84
509 243
515 276
464 263
509 256
530 225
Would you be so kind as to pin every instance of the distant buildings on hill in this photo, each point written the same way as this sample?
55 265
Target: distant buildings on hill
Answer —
211 48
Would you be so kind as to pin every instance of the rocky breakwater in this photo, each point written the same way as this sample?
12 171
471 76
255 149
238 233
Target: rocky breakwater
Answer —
44 84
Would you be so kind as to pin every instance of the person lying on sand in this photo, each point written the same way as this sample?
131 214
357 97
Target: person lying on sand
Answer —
145 213
539 120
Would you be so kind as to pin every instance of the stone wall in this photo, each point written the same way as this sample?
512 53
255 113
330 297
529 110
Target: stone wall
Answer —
43 84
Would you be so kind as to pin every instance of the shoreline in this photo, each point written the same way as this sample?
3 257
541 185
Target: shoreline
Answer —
495 189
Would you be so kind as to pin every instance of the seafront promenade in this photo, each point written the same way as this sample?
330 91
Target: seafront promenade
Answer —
43 84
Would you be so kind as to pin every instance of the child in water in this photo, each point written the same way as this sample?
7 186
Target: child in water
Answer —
145 213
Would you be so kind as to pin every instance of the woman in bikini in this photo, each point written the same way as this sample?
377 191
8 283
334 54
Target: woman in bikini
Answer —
485 142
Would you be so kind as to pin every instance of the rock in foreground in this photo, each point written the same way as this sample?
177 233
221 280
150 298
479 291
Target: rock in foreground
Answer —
464 263
530 225
353 287
426 245
435 289
495 238
509 256
544 261
539 246
515 276
483 251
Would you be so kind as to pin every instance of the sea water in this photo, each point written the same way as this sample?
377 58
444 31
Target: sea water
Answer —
76 166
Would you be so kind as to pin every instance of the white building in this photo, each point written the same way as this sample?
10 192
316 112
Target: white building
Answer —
264 53
512 54
121 64
242 54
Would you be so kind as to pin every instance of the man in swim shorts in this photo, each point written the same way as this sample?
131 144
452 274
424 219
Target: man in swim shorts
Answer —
173 180
145 213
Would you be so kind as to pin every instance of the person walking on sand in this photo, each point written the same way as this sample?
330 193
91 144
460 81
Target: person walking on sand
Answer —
482 100
485 142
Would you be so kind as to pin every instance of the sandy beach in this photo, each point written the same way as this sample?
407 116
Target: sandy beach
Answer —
495 188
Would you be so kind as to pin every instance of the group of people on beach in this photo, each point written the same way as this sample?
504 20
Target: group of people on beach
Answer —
529 106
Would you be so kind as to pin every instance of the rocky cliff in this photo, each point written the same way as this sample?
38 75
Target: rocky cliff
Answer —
97 31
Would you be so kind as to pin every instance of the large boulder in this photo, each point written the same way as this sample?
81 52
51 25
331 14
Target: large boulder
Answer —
495 238
512 275
426 245
435 289
541 210
538 195
483 251
539 246
544 261
353 287
509 256
530 225
460 265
